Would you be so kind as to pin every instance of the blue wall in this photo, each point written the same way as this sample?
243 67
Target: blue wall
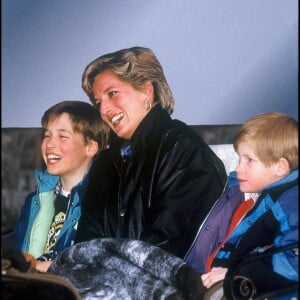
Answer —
224 60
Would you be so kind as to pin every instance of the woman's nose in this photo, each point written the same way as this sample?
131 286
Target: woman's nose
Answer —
105 107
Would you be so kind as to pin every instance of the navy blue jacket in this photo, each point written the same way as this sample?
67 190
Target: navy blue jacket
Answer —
272 222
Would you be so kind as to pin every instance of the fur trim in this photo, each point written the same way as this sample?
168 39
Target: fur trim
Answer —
126 269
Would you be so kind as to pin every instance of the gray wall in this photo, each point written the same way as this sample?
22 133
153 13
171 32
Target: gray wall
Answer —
224 60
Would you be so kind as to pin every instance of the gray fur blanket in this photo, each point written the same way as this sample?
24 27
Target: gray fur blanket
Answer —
126 269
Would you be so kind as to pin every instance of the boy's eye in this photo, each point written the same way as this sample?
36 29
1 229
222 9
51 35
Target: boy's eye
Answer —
250 159
46 135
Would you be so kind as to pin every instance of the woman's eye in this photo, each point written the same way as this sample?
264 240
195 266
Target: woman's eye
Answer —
111 93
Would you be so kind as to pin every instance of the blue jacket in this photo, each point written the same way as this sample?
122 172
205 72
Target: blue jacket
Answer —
31 230
272 222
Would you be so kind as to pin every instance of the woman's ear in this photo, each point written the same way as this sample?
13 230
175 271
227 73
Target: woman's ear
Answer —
92 148
282 167
149 91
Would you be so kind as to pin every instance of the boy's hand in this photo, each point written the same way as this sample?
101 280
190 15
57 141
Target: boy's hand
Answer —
215 275
43 266
31 259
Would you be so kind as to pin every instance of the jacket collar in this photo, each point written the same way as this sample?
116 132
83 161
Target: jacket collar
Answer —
148 132
150 129
278 186
48 182
290 178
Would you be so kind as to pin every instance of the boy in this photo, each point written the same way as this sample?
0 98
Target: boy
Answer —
267 173
73 134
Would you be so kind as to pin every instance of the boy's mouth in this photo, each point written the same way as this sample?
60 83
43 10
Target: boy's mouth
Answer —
53 157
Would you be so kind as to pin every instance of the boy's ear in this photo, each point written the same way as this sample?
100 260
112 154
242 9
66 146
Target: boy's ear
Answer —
282 167
92 148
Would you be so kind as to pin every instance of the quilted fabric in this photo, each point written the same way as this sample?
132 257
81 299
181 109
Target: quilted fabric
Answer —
227 154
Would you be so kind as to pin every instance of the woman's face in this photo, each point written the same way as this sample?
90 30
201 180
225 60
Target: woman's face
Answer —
121 106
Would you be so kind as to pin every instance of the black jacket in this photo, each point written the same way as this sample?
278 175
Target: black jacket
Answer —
160 194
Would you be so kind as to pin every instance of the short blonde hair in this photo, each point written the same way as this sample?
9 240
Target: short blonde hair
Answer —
136 66
273 135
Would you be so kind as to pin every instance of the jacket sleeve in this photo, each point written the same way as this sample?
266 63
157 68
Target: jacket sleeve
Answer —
257 275
95 222
278 266
189 178
15 239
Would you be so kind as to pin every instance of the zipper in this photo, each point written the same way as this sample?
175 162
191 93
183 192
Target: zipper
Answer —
35 201
119 193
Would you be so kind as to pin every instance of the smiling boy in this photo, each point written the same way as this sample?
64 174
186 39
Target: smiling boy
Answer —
73 134
258 209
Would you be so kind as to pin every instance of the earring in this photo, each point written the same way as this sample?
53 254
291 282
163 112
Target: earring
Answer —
148 105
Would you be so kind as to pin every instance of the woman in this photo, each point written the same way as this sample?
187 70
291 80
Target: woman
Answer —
158 179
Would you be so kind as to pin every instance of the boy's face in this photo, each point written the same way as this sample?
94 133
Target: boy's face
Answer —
252 174
64 151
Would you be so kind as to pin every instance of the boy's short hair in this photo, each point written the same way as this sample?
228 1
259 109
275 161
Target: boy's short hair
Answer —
85 118
273 135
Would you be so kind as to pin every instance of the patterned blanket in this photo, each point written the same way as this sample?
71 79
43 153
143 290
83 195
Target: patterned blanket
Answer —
126 269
